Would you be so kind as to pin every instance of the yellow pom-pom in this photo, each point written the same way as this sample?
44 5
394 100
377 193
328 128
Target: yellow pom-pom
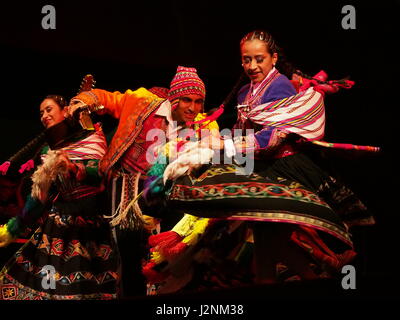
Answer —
5 237
150 223
157 257
198 229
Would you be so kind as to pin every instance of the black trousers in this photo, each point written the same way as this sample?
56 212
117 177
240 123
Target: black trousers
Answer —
132 250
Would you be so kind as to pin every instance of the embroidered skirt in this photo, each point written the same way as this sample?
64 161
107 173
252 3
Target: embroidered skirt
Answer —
301 168
70 256
220 192
213 245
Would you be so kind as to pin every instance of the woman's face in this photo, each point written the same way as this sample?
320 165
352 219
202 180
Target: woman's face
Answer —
51 113
257 62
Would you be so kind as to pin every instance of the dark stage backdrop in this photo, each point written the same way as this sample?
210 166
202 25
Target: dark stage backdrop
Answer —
130 44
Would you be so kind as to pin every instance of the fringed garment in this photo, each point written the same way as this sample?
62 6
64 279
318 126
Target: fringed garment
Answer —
73 239
299 207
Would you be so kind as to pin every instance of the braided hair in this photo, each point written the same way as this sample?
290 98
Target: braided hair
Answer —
282 64
60 100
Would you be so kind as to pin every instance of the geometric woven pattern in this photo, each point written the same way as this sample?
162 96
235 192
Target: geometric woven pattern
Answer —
58 247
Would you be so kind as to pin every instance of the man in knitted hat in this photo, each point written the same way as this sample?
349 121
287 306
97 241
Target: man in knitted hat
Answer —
187 93
142 110
125 162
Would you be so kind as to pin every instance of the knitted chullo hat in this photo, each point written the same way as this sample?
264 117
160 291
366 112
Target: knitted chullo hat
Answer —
185 82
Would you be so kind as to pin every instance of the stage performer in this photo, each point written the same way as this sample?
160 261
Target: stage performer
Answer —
71 255
147 118
290 241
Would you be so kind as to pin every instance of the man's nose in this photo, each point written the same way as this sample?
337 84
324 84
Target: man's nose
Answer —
191 106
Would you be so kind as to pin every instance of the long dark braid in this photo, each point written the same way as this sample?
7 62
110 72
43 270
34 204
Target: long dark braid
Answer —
235 88
33 148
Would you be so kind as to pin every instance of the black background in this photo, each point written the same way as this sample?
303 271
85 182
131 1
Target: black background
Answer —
126 45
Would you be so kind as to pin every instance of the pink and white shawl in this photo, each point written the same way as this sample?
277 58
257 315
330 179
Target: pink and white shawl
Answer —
303 114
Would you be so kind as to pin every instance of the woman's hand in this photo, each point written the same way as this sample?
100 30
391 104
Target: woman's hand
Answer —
65 166
212 142
240 145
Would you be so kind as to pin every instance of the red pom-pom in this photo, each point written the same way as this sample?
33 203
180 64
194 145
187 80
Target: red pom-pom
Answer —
151 275
164 239
170 253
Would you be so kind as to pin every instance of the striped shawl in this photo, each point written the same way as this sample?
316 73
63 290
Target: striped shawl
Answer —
303 114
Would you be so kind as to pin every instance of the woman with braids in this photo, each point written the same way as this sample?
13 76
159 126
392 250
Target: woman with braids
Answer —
277 143
297 214
70 256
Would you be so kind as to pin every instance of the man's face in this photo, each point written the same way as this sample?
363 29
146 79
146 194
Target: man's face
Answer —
188 108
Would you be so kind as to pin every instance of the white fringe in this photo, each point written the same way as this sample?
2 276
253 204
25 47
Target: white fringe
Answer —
121 216
55 163
193 157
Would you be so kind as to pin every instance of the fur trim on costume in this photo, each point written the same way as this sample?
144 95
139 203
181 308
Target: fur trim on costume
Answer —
55 163
193 157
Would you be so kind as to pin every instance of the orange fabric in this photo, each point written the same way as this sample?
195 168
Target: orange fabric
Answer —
131 108
135 158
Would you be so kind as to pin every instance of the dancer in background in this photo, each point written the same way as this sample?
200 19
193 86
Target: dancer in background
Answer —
140 113
71 255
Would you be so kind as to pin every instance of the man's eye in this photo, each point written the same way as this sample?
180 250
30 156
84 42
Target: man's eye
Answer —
259 60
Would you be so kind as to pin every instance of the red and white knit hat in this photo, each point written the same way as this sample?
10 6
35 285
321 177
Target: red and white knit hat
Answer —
186 81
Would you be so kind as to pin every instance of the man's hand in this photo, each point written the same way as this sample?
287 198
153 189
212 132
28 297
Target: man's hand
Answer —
73 106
